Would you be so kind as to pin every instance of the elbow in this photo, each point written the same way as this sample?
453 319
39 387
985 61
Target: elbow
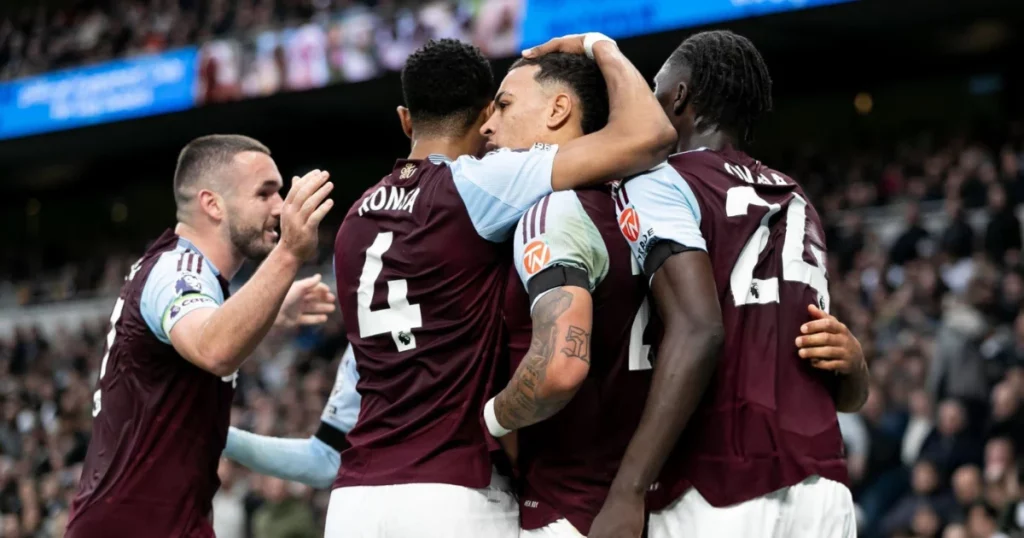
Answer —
653 144
220 366
215 359
711 339
705 337
565 377
663 140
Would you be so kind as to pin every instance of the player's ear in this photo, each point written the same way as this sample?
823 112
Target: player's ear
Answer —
681 99
561 110
406 119
211 204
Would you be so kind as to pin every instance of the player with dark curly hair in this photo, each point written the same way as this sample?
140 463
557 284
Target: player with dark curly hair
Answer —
748 382
421 262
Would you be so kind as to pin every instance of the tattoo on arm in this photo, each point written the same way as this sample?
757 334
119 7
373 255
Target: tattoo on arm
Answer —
577 344
525 401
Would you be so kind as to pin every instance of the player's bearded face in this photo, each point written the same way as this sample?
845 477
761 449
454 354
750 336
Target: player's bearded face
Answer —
253 235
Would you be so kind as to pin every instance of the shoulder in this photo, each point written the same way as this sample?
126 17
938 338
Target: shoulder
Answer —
662 185
176 274
502 158
557 213
184 271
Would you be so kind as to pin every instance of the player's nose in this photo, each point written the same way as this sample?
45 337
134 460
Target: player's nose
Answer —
276 205
487 129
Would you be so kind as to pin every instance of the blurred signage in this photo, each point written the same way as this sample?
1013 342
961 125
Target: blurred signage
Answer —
348 45
122 89
626 18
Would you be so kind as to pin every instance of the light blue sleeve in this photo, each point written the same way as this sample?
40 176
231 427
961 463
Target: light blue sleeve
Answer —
308 461
658 205
180 282
558 232
498 188
342 408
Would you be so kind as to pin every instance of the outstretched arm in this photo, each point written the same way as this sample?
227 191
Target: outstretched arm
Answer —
309 461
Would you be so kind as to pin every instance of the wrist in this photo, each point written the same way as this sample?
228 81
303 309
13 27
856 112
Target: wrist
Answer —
591 39
491 419
285 257
626 489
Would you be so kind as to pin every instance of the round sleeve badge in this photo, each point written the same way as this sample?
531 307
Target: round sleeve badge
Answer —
629 223
535 256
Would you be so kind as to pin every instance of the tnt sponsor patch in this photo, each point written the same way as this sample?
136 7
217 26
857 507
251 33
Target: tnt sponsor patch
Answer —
536 256
629 223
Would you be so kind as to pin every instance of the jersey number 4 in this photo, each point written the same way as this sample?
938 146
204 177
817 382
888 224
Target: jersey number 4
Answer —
749 290
400 318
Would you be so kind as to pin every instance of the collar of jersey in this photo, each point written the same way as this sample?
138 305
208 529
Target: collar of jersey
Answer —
437 158
187 245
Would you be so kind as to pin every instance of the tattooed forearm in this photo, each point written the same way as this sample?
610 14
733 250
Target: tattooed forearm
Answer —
529 398
578 344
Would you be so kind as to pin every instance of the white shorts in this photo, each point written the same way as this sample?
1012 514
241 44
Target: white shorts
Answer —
424 511
559 529
814 508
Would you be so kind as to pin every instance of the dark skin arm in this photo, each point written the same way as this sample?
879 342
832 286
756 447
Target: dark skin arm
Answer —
684 290
556 364
830 345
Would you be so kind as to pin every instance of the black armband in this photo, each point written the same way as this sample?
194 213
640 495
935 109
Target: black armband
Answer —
332 437
556 277
661 251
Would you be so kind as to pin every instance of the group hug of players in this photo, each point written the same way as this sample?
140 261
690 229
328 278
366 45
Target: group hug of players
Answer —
577 308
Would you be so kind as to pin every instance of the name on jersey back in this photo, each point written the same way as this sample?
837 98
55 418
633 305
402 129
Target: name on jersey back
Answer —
388 198
746 175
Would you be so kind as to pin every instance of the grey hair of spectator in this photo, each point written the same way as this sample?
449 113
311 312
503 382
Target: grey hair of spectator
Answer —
201 164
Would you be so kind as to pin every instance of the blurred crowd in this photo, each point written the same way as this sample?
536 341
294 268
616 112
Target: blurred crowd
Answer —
927 167
934 452
252 47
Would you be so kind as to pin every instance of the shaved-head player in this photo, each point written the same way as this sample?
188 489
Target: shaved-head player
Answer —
163 400
761 454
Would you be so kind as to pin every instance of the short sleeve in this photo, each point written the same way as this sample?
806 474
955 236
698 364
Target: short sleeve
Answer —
658 206
181 282
342 408
499 187
557 232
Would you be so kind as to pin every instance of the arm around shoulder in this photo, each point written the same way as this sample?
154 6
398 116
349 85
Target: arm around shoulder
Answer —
637 137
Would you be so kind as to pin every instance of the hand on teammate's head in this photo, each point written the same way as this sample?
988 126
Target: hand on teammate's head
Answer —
572 44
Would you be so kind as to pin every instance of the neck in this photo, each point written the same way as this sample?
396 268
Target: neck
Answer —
451 147
564 135
219 253
712 138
